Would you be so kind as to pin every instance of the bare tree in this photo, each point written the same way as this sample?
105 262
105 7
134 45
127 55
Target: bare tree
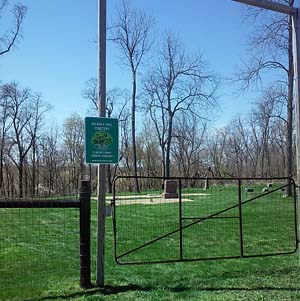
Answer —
131 33
5 124
149 155
90 92
179 83
20 143
271 50
73 132
252 145
215 152
49 167
38 109
189 144
24 113
116 99
9 38
125 143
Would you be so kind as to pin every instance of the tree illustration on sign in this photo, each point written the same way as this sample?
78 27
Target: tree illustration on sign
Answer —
102 139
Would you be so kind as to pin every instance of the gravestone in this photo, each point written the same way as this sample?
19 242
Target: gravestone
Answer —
170 189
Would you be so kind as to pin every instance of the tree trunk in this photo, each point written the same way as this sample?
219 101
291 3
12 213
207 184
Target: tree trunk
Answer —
168 149
10 180
37 184
8 183
33 171
21 168
26 179
133 108
289 136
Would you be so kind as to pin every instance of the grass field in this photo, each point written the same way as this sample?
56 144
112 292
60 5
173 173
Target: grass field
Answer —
268 227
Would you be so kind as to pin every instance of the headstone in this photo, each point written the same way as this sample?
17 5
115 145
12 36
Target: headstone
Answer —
265 189
269 185
170 189
249 189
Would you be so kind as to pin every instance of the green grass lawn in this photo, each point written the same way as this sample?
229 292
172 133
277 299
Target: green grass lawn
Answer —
49 269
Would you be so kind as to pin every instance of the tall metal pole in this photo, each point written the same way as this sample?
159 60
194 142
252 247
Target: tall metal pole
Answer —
101 168
296 58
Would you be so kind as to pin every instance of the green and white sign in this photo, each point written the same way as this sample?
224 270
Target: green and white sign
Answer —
101 140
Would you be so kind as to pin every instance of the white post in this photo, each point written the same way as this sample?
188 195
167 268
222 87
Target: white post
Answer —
101 168
296 58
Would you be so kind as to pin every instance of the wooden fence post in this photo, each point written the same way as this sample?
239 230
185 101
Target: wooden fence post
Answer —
85 234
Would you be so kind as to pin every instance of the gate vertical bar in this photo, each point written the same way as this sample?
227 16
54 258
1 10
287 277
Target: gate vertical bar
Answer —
85 234
296 215
114 217
240 217
180 221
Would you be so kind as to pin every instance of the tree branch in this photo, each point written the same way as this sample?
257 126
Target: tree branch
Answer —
19 14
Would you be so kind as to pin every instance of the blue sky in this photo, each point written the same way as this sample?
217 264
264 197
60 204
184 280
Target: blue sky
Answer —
58 52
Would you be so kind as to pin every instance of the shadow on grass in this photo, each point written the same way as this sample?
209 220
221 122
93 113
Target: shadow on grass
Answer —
107 290
179 289
111 290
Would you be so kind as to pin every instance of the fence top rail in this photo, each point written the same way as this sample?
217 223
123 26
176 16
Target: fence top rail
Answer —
39 203
205 178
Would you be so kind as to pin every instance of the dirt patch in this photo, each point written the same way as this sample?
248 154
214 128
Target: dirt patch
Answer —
150 199
196 194
154 196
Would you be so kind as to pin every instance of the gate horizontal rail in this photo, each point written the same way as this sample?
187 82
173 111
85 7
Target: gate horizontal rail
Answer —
5 203
197 220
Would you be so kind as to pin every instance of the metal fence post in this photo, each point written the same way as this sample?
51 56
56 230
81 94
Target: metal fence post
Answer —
240 217
85 234
180 222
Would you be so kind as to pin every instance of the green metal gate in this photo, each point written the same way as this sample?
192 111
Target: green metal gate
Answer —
209 219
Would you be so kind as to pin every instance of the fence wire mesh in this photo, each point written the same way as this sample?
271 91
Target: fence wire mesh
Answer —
204 219
39 247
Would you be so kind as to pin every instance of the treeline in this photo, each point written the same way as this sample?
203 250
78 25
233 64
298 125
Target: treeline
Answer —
36 159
